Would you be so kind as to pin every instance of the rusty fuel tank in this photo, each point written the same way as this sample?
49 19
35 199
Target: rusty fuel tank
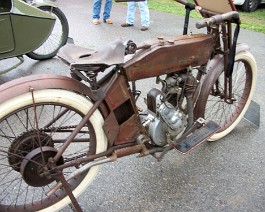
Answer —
167 55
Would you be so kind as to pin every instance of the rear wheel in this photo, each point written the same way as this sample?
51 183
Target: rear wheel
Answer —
228 113
32 133
57 38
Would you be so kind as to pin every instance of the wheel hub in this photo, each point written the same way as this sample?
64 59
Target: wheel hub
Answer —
34 169
24 144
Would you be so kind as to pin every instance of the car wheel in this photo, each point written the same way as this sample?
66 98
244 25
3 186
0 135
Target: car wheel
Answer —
250 5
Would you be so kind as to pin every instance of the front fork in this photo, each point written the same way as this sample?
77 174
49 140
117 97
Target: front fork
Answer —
227 93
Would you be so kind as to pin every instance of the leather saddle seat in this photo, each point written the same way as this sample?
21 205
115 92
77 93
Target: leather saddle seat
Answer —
81 58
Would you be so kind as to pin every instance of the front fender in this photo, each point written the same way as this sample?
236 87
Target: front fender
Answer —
214 68
216 64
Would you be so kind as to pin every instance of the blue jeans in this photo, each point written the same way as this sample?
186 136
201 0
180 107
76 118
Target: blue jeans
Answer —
97 7
144 12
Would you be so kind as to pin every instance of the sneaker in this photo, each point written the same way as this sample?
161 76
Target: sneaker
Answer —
144 28
127 25
96 21
108 21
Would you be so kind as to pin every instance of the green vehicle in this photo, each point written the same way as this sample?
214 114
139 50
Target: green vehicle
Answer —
37 30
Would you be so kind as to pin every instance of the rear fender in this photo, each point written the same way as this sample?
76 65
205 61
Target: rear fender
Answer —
24 85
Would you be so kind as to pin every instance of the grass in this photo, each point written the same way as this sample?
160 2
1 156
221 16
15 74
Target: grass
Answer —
253 21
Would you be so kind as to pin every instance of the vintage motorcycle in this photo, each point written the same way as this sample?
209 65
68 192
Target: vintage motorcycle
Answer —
38 29
57 130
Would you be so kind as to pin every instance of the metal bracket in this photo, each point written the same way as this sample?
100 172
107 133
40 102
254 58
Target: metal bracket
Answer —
21 60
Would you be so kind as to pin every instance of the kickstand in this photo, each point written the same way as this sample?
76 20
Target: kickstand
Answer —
69 192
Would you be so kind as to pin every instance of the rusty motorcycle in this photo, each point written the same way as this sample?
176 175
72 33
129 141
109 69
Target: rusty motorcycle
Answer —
57 130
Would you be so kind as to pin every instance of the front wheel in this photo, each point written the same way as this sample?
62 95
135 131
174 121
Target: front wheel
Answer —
213 103
33 128
57 38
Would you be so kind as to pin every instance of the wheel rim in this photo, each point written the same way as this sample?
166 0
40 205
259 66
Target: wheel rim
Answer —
223 113
15 129
253 4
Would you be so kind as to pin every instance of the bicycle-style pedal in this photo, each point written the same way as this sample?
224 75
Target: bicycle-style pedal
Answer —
198 137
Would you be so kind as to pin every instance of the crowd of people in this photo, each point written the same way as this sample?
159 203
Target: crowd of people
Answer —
130 17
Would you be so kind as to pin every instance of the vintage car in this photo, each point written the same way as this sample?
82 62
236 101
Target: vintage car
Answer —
248 5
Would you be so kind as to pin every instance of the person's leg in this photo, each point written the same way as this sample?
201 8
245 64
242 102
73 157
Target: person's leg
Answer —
144 11
130 13
107 9
96 9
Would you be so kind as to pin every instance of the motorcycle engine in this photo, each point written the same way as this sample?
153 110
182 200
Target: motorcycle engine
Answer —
164 120
167 109
168 121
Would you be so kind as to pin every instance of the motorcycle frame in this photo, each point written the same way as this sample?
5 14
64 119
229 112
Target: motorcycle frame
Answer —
108 101
125 133
102 101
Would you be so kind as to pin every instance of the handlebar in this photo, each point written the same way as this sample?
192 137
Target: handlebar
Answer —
232 16
217 19
193 6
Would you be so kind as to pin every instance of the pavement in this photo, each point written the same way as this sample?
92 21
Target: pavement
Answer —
227 175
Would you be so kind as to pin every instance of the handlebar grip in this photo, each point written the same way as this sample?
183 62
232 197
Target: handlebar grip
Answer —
230 16
206 22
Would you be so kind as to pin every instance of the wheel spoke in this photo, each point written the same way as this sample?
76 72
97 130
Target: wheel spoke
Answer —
227 112
57 38
53 122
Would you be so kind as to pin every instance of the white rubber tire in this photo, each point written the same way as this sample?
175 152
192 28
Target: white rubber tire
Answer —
249 58
76 101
